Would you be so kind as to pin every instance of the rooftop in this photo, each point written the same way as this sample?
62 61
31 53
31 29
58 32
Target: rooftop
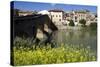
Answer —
81 11
56 10
43 12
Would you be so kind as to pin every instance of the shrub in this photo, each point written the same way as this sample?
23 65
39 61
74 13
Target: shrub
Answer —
71 23
93 26
82 21
48 55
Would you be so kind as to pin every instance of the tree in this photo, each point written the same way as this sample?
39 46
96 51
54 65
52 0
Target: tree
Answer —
15 12
71 23
93 26
82 21
35 12
95 15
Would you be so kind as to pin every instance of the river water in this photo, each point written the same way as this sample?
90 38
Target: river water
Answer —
85 37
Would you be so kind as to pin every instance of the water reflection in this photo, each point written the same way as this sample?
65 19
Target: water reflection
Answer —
86 37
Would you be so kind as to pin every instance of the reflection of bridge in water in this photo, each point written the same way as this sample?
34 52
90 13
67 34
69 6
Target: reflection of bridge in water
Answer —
28 26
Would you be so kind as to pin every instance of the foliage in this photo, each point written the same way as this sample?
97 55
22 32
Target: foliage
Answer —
93 26
82 21
35 12
71 23
47 55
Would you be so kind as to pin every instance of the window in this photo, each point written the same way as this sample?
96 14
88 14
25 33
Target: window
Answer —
75 19
52 15
59 19
56 16
59 16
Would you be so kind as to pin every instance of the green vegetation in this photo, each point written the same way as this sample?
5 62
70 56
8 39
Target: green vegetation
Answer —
71 23
93 26
35 12
83 22
47 55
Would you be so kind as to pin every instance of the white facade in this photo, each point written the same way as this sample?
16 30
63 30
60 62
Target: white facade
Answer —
56 17
43 12
76 16
60 18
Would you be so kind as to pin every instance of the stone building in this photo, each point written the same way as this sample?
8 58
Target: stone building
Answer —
76 16
25 13
57 16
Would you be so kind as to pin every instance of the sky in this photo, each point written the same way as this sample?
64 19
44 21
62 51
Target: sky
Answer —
38 6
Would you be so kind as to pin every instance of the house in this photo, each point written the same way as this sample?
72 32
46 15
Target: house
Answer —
91 19
57 16
77 15
25 13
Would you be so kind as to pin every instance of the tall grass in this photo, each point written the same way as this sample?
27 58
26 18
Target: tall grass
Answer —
47 55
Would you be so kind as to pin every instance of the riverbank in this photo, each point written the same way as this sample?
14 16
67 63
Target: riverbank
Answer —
64 27
74 46
48 55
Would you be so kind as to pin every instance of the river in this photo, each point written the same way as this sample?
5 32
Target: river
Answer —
85 37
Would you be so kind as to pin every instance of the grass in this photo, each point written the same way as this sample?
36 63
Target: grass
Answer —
48 55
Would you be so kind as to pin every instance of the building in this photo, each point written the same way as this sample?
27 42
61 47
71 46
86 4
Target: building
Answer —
57 16
91 19
25 13
76 16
